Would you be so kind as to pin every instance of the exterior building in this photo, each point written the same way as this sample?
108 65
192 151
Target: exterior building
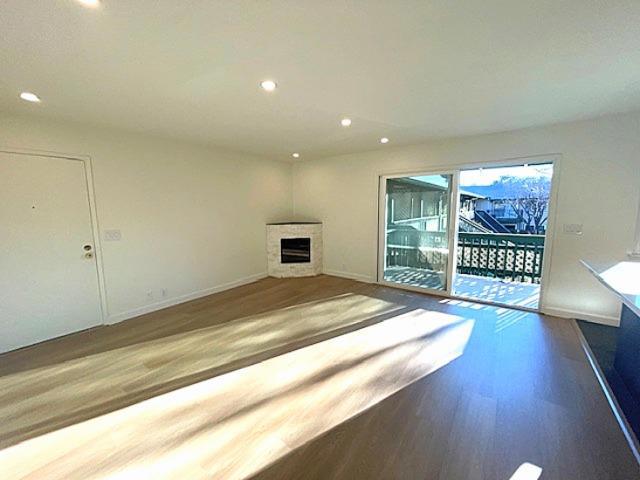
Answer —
499 215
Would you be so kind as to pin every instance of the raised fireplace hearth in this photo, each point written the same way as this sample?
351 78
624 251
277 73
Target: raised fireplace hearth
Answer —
294 249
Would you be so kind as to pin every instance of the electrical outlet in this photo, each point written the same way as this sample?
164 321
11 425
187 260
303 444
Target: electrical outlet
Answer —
164 293
572 228
150 295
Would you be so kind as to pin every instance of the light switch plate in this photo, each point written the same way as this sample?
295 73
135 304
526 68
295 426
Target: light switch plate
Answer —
572 228
112 235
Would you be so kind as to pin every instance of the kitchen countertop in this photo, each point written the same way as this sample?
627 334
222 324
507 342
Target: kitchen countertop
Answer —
622 278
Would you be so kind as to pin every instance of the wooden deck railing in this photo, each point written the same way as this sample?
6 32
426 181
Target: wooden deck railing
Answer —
512 257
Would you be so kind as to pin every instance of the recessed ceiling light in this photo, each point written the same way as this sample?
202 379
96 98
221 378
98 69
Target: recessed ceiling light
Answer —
90 3
384 140
345 122
30 97
268 85
295 155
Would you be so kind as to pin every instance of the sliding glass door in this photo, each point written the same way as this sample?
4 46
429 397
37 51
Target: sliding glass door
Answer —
502 233
474 233
417 236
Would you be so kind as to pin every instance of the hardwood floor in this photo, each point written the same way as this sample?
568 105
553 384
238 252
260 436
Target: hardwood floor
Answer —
311 378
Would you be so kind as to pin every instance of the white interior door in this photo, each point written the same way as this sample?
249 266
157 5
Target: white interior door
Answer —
48 272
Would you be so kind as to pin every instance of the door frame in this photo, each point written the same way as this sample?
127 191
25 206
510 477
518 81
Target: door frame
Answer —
451 227
553 158
87 166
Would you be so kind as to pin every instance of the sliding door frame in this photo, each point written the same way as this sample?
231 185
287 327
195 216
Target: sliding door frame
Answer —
452 226
455 169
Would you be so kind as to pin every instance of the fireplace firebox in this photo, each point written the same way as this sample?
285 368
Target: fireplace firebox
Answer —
295 250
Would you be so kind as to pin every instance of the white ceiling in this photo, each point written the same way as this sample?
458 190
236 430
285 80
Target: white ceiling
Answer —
408 70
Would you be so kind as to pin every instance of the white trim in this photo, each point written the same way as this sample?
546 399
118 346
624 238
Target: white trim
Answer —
119 317
578 315
352 276
97 245
550 233
93 213
380 233
451 167
454 219
632 441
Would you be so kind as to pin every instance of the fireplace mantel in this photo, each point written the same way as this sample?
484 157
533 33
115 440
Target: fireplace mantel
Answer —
310 265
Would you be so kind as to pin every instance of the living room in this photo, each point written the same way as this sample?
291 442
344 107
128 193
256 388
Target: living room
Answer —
203 205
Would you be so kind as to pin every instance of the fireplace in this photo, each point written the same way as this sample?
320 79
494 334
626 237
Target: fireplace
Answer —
295 250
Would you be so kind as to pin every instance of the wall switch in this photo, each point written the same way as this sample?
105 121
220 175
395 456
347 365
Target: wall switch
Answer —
112 235
572 228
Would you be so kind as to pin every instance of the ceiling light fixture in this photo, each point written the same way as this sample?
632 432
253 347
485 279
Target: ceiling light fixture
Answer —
90 3
345 122
296 155
268 85
384 140
30 97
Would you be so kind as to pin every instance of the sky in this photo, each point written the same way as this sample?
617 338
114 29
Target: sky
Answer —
487 176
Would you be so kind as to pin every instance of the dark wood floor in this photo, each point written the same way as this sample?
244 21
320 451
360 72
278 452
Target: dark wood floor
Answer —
311 378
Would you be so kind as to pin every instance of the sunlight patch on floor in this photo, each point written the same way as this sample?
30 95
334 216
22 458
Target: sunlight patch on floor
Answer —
486 289
233 425
496 290
75 386
527 471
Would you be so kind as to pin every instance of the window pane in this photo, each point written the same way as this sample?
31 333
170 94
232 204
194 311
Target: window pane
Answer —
417 237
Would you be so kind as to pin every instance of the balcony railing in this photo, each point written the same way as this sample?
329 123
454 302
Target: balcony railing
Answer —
517 258
511 257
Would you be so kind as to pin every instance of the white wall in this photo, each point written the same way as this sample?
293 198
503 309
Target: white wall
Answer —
599 186
192 218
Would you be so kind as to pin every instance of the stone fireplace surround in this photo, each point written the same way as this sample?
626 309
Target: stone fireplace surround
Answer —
276 232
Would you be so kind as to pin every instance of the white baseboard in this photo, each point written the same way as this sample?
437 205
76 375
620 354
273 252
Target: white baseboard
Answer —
560 312
119 317
352 276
